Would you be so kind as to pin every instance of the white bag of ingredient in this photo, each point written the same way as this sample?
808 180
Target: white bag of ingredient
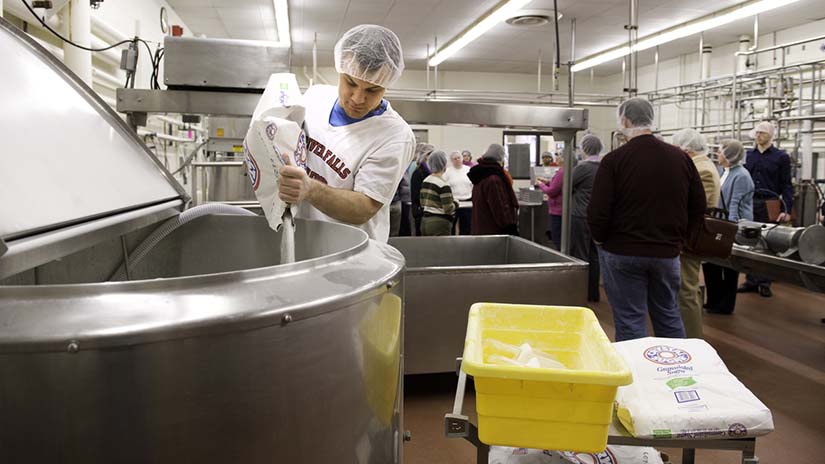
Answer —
682 389
274 139
612 455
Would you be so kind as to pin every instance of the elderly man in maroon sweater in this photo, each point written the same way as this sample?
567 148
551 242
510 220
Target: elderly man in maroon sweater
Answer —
647 199
495 206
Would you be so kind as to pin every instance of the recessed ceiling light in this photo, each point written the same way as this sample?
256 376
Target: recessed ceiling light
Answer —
531 18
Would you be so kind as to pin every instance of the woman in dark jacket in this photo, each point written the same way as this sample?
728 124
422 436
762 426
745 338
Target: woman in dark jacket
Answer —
422 152
495 207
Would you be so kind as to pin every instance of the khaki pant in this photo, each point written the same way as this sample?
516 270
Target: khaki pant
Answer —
690 298
435 225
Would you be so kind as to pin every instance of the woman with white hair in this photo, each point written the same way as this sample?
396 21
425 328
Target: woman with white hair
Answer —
690 296
357 145
437 198
737 199
457 177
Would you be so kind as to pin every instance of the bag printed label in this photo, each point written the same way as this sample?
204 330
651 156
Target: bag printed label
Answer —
682 389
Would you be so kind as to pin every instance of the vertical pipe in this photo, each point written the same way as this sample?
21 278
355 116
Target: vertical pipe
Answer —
755 45
1 8
554 78
569 143
428 66
315 59
742 61
701 55
656 85
734 103
80 32
538 75
571 77
435 72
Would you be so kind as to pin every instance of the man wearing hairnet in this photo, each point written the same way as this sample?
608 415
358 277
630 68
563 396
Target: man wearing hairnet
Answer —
770 169
358 147
647 198
690 297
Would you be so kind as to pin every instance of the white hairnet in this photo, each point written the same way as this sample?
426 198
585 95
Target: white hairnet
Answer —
437 161
494 152
733 151
638 112
455 154
591 145
764 126
422 150
690 140
370 53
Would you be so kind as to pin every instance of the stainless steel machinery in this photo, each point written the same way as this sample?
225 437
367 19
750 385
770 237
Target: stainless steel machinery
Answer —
446 275
210 352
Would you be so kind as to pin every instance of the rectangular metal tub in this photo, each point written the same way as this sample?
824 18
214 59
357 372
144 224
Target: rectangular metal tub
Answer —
446 275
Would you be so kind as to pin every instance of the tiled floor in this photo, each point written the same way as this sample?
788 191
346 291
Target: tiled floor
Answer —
775 346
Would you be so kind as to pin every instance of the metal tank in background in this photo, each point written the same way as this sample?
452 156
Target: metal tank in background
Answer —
209 351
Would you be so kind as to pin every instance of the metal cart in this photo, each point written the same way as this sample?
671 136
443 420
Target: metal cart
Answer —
458 425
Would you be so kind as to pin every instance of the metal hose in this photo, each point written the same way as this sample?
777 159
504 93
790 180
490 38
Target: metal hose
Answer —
169 226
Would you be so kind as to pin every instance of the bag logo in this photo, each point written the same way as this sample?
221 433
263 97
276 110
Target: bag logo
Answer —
666 355
271 130
737 430
252 169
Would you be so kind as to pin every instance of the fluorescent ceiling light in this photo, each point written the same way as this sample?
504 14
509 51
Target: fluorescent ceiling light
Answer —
282 21
705 23
499 13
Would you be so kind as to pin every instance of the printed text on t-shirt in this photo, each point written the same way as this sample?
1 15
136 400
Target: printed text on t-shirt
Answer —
333 161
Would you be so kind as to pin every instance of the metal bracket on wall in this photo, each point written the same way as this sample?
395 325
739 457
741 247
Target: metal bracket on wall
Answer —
3 247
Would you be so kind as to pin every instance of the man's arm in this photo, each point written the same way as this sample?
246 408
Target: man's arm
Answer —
342 205
697 203
601 203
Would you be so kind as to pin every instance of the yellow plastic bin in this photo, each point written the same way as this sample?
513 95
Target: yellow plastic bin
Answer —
555 409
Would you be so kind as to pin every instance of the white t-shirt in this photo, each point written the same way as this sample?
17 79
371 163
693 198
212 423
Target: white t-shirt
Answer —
461 185
368 156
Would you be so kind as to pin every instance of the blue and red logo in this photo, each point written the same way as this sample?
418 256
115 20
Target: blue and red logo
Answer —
667 355
252 169
271 130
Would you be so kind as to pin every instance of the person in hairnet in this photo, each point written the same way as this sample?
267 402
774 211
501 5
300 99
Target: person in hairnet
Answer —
422 170
770 169
437 198
358 147
581 242
690 297
495 206
647 198
737 199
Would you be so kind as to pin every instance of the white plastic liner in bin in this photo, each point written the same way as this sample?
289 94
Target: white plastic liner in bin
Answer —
682 389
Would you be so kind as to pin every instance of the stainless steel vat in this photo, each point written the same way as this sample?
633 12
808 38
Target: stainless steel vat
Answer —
445 275
217 356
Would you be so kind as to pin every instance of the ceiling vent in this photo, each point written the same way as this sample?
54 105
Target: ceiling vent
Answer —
531 18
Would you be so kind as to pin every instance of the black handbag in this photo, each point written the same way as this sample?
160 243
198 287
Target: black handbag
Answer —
715 236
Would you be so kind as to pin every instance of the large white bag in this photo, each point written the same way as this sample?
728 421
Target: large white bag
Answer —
612 455
682 389
275 139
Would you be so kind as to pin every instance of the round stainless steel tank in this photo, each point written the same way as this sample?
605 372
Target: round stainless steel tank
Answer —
213 355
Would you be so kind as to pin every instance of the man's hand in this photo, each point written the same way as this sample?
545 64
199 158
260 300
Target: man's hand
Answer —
296 185
783 217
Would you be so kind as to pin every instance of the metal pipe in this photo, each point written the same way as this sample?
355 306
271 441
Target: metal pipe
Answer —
428 66
538 75
571 76
781 46
755 45
435 72
315 59
734 103
569 143
80 32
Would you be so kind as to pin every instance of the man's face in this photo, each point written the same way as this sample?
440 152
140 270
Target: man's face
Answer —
358 97
456 160
763 138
